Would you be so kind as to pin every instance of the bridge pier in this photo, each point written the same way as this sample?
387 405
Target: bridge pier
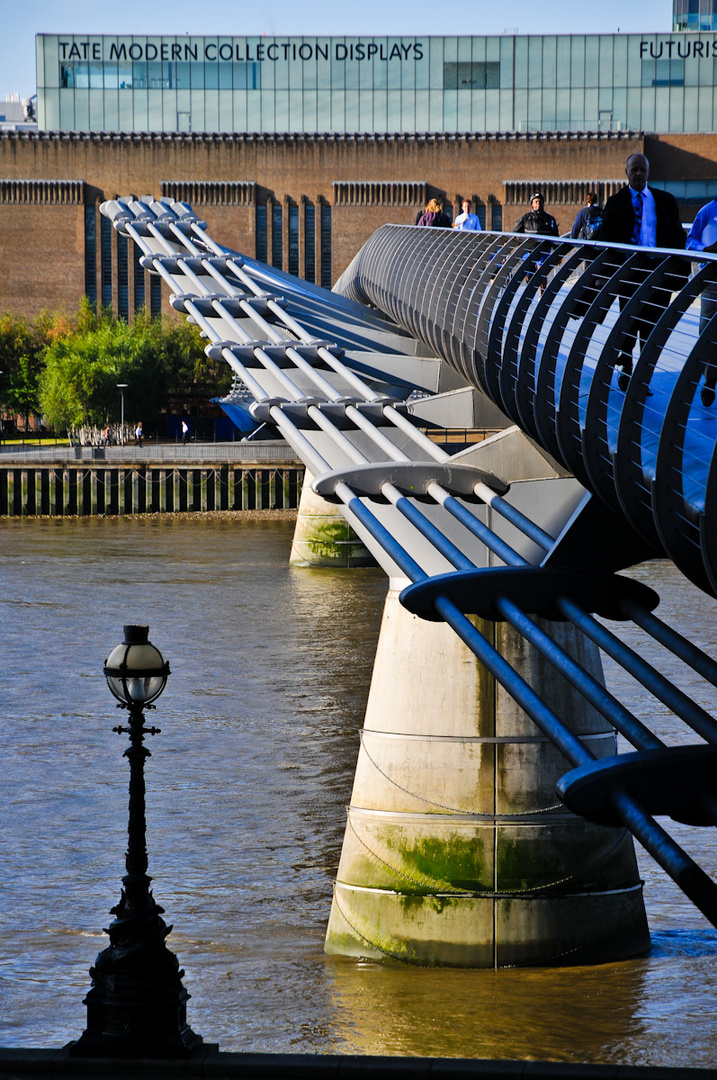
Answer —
457 851
323 536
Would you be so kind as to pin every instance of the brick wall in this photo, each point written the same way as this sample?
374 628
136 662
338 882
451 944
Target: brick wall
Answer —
365 179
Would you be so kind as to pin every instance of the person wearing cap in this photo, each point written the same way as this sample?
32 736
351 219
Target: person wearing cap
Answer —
537 221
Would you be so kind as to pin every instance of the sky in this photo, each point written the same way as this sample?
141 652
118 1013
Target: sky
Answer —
20 22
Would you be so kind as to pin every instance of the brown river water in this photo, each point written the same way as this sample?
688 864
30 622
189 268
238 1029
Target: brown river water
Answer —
246 793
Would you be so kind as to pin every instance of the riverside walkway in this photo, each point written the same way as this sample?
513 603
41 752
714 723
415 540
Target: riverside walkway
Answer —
526 532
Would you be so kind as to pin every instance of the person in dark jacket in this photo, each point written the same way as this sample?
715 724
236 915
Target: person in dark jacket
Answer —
588 220
644 217
537 221
433 215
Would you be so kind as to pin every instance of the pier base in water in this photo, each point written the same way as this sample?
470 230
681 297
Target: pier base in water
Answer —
322 535
457 851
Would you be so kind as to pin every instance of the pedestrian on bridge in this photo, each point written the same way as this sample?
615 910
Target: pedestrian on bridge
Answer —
467 221
537 222
434 215
645 217
703 237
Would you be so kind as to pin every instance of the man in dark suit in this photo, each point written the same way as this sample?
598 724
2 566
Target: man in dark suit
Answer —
646 217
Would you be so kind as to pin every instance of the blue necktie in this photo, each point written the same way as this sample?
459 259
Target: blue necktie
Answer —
637 206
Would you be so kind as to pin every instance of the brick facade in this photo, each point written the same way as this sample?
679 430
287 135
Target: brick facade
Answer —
50 178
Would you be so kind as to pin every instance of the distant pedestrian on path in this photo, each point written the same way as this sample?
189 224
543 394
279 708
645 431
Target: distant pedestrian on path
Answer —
467 221
537 222
185 431
138 434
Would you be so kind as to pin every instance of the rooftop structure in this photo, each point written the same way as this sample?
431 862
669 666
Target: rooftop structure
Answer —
610 82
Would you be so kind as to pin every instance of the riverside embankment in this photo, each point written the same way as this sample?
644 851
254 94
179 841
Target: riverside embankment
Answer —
63 481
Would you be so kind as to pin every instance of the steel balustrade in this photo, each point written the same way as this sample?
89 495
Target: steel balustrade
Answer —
533 324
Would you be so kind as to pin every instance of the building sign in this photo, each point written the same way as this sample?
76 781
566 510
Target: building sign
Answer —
238 50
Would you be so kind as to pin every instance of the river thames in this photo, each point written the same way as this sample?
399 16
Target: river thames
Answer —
246 793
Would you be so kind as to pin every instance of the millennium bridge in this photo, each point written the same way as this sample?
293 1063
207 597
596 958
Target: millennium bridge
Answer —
492 817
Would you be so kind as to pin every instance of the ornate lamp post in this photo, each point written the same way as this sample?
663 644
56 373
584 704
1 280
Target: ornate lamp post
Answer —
137 1004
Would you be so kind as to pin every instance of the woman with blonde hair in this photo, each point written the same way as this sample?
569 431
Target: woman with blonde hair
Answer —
434 215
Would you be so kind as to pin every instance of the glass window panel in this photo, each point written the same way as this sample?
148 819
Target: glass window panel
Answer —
51 119
662 110
302 111
393 66
226 111
683 109
126 112
450 110
507 111
293 240
492 111
422 68
408 71
535 62
169 111
592 61
591 109
111 111
280 70
550 53
106 260
239 110
408 112
563 61
351 74
705 110
111 76
154 110
211 76
225 75
450 48
182 75
463 112
619 109
577 60
521 110
324 110
124 76
606 66
310 242
281 110
253 103
276 236
155 75
338 112
521 62
549 116
435 79
196 75
70 104
422 110
43 75
465 49
323 64
140 78
261 233
67 76
82 76
267 111
239 75
96 76
562 109
208 104
636 107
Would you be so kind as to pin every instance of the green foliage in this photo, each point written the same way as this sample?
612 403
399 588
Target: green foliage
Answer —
68 368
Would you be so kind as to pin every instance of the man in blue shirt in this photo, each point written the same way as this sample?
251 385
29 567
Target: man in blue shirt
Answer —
703 237
467 221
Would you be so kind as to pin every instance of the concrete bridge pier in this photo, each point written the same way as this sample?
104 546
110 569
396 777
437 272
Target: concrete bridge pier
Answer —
323 536
457 851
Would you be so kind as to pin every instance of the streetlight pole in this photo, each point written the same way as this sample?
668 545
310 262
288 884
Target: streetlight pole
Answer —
136 1007
122 386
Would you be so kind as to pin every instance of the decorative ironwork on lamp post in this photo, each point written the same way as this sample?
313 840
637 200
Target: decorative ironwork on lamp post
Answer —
137 1004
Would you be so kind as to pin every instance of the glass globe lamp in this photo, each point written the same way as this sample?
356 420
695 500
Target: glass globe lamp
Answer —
136 671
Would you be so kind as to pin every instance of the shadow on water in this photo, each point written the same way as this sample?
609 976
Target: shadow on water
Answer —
247 787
